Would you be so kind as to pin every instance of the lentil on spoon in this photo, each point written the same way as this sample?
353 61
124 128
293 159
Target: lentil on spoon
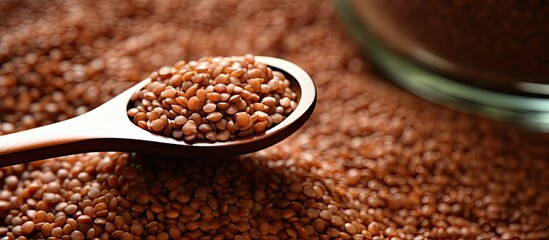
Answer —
213 98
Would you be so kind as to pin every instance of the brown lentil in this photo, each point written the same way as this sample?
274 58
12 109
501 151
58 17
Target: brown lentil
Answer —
248 113
371 156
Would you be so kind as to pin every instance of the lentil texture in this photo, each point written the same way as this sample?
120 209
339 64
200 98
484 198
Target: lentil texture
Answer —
373 162
214 98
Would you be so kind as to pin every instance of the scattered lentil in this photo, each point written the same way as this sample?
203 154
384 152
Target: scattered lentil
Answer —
367 139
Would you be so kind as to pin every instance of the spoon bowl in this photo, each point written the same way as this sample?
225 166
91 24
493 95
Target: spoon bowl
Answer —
108 128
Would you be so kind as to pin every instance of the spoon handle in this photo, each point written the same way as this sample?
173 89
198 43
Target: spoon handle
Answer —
52 140
104 128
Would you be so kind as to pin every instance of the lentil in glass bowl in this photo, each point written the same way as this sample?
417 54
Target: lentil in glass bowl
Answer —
484 57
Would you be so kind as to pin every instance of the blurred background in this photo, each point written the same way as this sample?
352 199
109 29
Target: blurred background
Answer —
375 160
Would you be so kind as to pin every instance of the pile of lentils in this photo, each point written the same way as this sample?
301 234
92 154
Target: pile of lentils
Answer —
213 98
372 162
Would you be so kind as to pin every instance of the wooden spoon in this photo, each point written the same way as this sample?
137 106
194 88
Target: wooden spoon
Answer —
108 128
